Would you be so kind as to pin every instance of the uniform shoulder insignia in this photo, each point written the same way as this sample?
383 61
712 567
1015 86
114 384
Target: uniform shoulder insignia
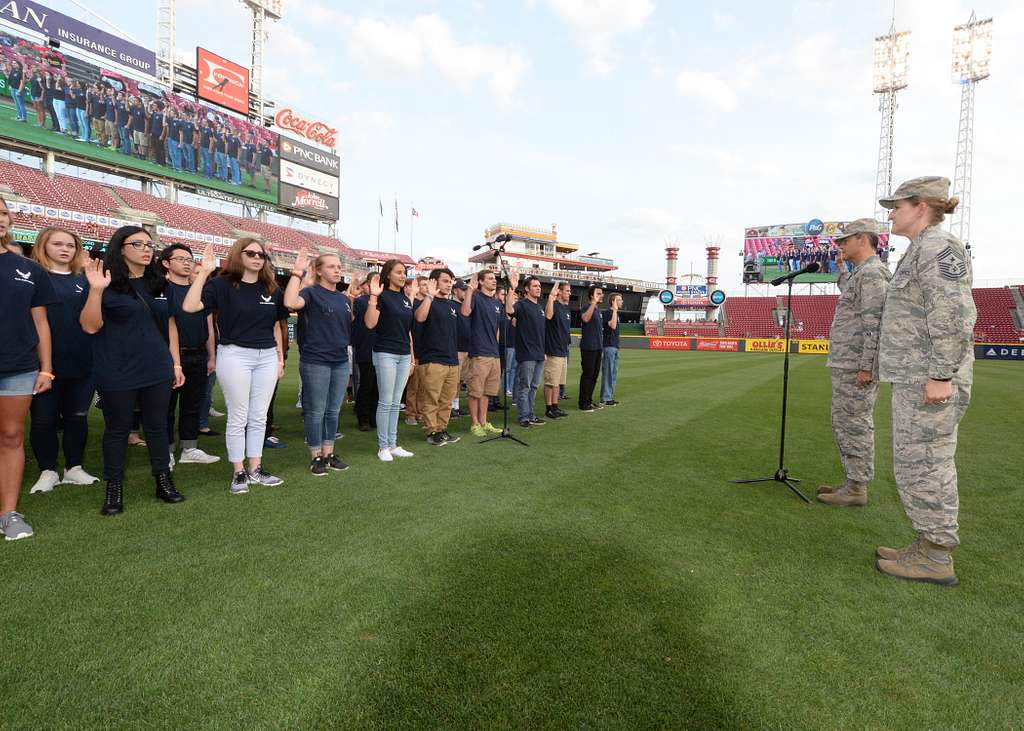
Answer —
951 264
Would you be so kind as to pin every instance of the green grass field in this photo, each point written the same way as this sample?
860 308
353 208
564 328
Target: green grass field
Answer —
607 577
26 132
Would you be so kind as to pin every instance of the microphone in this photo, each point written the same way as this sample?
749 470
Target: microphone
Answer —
503 239
809 269
479 246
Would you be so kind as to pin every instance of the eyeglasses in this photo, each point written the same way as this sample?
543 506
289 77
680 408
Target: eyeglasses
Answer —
180 258
255 254
141 244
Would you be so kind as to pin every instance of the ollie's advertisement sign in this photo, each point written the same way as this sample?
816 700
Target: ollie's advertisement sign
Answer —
313 130
222 82
308 201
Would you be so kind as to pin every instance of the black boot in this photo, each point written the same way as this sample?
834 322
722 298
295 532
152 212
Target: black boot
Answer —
165 489
113 504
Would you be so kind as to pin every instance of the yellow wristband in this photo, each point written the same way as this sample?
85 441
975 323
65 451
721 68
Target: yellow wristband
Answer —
48 375
177 367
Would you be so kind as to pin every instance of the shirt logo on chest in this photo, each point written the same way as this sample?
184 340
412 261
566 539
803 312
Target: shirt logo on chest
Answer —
24 276
266 299
79 289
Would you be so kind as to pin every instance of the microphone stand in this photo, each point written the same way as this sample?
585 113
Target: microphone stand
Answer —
781 475
506 431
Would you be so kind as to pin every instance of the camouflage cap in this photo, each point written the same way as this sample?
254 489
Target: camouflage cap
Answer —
860 226
930 186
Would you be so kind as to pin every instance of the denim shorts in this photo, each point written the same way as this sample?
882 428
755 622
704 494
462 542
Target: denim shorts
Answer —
18 384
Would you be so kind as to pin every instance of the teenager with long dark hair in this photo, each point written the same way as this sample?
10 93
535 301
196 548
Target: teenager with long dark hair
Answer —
325 317
389 314
60 252
25 367
132 362
250 357
362 354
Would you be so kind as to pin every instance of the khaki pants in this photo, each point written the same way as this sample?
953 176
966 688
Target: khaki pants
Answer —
412 396
438 385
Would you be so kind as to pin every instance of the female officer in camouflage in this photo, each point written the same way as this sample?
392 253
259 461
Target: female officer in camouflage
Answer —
926 351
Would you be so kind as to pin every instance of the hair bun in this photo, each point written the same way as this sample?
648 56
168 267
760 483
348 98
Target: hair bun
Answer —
951 205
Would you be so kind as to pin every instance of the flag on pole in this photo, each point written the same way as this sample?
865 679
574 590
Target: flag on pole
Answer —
396 213
415 212
380 202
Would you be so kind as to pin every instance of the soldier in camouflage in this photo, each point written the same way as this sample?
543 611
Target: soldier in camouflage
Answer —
852 358
927 352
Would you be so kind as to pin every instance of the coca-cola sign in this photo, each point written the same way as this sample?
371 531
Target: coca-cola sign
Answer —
308 202
318 132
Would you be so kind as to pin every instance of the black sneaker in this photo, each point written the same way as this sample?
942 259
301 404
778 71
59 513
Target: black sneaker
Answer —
364 426
552 413
524 423
209 433
449 438
333 463
586 408
318 468
561 414
598 405
437 439
613 402
455 414
534 421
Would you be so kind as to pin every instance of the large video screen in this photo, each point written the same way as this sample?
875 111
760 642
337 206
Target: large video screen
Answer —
69 105
771 251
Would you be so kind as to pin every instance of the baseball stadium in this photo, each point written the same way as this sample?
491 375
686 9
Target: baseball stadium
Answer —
630 497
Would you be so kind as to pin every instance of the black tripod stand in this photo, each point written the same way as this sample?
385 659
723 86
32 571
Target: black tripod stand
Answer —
781 475
506 431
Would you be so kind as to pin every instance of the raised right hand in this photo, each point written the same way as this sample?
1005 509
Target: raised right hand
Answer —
301 261
432 287
473 284
209 262
94 274
376 287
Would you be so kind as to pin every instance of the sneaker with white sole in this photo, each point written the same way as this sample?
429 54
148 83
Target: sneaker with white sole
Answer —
240 483
399 452
14 527
215 413
48 479
78 476
384 455
260 476
197 456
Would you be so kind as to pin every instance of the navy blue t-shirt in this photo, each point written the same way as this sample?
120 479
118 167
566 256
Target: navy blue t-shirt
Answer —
111 109
249 153
23 285
193 329
129 351
15 75
156 124
362 337
233 145
417 328
438 340
205 134
556 333
463 334
122 114
218 142
326 323
72 348
592 336
611 335
99 106
266 156
530 325
394 324
158 305
138 115
483 326
246 314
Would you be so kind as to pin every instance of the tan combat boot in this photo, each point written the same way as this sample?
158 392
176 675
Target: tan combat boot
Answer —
894 554
850 495
930 563
829 489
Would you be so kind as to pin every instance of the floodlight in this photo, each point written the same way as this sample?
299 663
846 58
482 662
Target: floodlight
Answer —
972 50
892 61
271 8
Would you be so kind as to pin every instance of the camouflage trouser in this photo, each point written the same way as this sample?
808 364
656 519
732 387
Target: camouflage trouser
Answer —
923 447
853 423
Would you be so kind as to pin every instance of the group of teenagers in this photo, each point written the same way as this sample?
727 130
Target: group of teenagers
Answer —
147 330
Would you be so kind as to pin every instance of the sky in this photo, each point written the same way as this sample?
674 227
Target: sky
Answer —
628 123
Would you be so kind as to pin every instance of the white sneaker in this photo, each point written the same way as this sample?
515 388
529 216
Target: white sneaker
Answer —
214 412
411 421
384 455
197 456
399 452
170 462
78 476
48 480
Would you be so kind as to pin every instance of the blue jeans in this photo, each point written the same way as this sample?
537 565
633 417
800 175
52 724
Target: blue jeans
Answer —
323 390
236 172
392 374
207 403
83 125
207 161
174 153
188 157
62 114
222 165
529 375
609 373
510 370
19 104
126 146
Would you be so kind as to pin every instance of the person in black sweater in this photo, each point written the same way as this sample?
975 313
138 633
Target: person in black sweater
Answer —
133 364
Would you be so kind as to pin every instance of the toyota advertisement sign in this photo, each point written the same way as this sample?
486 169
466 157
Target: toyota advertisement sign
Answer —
222 82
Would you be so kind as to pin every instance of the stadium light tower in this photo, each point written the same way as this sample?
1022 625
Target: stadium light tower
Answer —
261 11
892 63
972 51
165 32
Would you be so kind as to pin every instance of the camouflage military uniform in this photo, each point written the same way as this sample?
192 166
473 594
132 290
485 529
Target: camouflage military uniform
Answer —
853 347
927 332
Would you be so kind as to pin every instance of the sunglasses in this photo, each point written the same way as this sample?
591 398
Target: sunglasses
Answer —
255 254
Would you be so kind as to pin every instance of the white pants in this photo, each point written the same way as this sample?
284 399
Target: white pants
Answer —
247 377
